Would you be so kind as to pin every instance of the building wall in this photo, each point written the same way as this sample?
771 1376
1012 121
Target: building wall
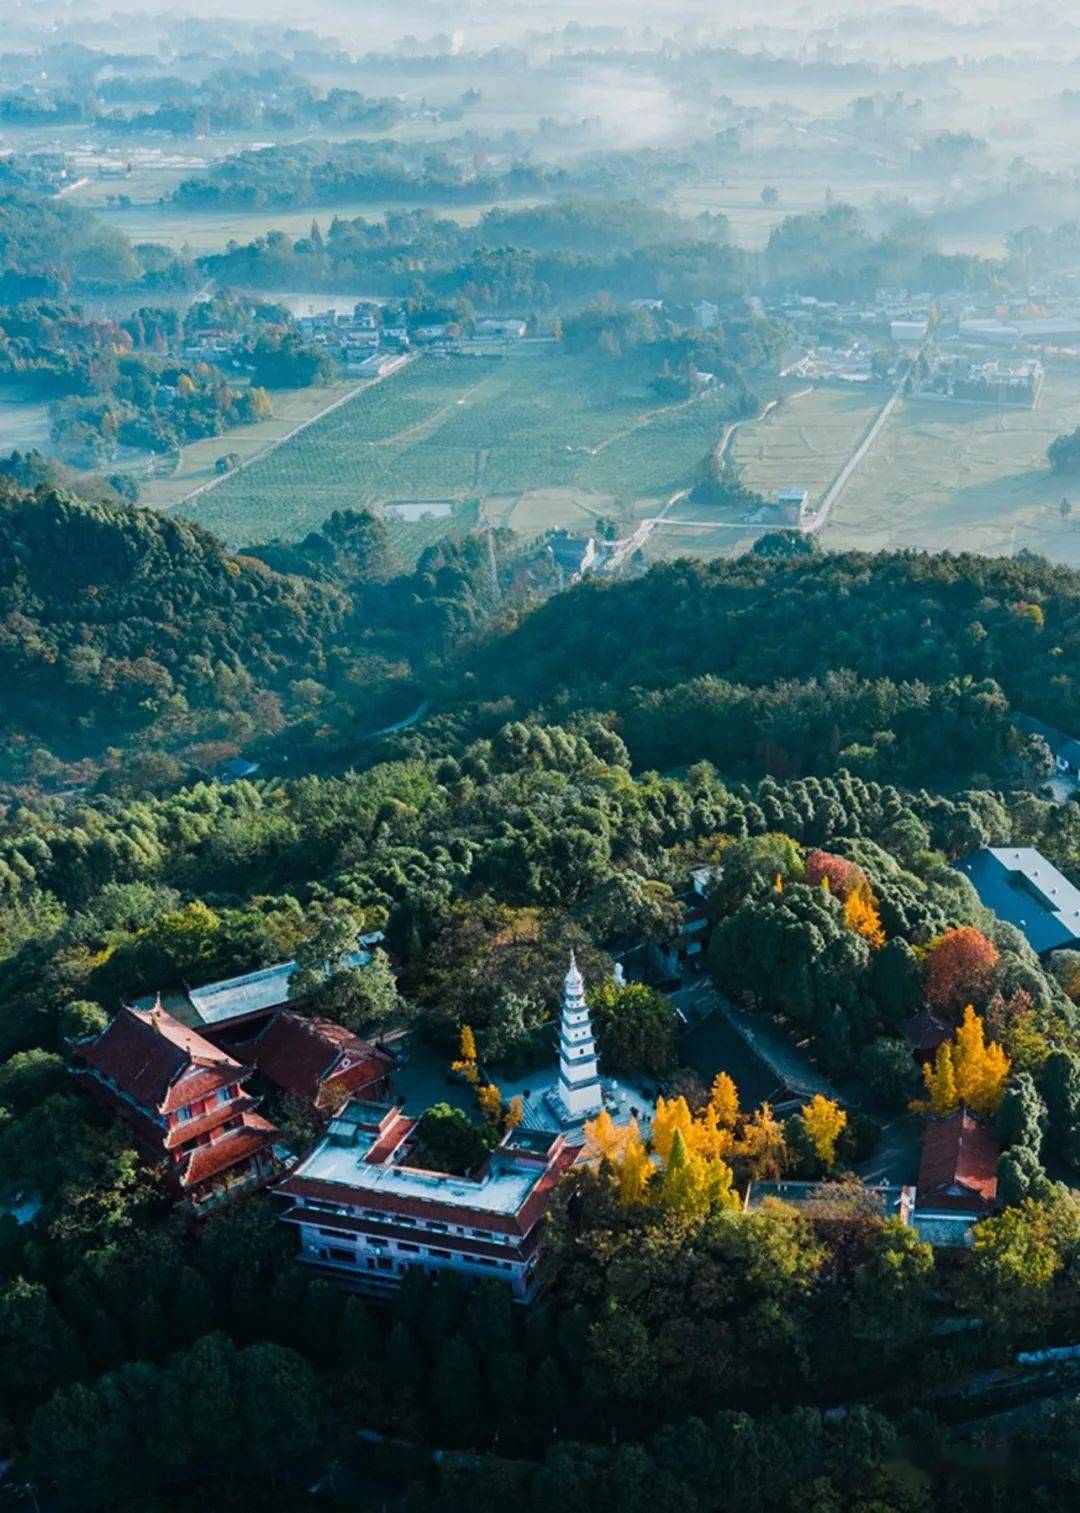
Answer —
375 1262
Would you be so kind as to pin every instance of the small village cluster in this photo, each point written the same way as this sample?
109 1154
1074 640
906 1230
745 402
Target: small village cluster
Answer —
188 1079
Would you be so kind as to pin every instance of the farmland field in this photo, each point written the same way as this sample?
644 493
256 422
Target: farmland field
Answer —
805 441
291 408
533 439
965 478
24 421
211 230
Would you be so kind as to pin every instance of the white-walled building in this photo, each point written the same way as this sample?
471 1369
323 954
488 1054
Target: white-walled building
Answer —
365 1215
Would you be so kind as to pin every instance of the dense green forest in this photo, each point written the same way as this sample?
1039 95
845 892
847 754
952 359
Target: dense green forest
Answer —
903 668
674 1341
898 666
125 629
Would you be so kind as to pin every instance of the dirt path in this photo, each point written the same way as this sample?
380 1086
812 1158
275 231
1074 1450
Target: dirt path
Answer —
720 451
630 544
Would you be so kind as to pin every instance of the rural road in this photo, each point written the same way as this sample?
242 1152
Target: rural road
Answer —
840 482
630 544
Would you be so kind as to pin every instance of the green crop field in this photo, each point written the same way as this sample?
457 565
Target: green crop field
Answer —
965 478
533 440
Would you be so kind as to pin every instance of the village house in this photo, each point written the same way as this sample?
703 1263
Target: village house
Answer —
503 329
759 1056
319 1061
186 1103
925 1033
574 555
956 1186
792 506
686 947
1064 749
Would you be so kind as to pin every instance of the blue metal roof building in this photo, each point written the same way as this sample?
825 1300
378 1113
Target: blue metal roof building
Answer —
1027 891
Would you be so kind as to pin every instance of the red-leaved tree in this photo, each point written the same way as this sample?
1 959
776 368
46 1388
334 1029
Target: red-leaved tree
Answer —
960 969
842 875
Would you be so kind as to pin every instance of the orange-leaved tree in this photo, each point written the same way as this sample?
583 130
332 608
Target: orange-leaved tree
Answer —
672 1114
466 1062
762 1148
861 915
982 1067
940 1079
724 1101
491 1104
835 873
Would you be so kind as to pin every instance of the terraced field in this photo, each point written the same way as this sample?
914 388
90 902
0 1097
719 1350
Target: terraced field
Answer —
535 440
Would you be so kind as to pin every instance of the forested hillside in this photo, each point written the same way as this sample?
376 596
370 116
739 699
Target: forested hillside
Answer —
113 617
895 666
118 623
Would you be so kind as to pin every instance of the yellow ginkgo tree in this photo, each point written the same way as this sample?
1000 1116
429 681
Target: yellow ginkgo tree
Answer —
824 1120
969 1071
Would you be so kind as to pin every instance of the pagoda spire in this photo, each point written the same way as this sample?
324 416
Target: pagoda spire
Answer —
579 1095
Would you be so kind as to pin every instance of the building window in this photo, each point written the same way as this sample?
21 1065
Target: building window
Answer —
376 1244
443 1255
337 1254
184 1114
404 1245
341 1234
438 1226
225 1095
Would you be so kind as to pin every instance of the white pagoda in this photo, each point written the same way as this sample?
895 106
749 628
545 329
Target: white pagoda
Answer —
577 1095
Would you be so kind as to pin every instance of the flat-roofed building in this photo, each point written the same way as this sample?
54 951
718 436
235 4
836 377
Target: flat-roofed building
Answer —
366 1214
1026 891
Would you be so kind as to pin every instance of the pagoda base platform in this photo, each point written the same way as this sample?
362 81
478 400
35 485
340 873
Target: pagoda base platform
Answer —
562 1115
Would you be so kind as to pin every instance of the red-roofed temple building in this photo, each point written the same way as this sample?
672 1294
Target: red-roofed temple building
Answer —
365 1215
185 1100
319 1061
957 1177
